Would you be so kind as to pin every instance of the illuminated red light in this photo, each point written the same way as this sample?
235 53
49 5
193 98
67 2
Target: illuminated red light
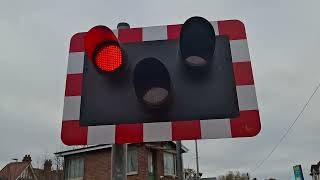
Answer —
109 58
97 36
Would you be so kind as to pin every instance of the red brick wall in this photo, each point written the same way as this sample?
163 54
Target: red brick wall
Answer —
97 165
159 163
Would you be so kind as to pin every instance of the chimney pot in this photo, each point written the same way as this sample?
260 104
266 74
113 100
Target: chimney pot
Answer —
27 158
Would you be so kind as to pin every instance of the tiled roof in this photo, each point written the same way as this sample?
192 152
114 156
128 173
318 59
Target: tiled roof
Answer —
13 170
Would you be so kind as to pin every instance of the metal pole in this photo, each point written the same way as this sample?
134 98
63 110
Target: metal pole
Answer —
179 160
119 151
119 162
197 160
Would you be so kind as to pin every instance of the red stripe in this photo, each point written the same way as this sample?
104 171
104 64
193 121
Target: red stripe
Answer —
243 73
247 125
184 130
173 31
233 28
129 133
73 134
130 35
77 42
74 85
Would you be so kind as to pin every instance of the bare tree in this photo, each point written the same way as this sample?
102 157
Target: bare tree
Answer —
40 160
58 163
235 176
190 174
58 166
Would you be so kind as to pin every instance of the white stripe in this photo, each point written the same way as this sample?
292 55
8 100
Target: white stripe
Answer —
101 134
239 50
157 132
215 128
115 32
71 109
154 33
247 98
215 27
75 62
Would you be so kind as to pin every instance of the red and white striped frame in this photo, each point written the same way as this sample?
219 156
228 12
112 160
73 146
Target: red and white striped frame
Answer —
247 125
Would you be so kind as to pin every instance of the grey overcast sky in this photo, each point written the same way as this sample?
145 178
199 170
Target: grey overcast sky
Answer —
283 38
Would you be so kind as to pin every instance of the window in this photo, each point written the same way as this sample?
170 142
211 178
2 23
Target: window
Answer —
169 161
74 169
132 161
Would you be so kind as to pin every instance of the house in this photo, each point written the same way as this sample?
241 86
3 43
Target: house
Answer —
24 171
18 170
152 161
314 171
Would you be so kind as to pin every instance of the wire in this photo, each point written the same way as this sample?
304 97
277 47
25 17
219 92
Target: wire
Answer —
287 131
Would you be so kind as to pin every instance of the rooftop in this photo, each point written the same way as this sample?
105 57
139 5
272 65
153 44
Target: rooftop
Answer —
13 170
103 146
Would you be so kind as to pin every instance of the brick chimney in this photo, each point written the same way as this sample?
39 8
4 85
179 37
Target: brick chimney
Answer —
47 169
27 158
47 166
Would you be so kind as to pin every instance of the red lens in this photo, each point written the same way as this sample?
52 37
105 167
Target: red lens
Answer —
109 58
96 36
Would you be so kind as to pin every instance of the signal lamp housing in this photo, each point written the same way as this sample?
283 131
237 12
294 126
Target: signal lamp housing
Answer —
152 83
103 49
197 42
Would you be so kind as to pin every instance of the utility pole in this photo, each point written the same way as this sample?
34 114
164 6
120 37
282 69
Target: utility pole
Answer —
119 162
119 151
197 160
179 160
